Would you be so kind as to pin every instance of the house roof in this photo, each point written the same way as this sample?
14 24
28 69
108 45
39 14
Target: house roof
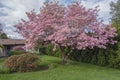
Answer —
11 41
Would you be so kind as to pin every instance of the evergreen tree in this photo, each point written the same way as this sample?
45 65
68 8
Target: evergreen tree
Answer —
2 34
115 12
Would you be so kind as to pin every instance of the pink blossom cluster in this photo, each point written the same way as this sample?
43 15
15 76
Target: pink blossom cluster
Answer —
19 48
72 25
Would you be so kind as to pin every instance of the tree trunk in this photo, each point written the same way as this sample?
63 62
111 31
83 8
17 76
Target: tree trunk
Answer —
64 58
64 54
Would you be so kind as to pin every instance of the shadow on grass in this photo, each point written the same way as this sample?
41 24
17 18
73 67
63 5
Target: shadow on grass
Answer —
42 68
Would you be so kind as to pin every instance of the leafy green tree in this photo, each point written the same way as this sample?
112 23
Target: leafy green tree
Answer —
2 34
115 12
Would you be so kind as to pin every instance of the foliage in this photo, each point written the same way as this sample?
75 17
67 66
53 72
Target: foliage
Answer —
11 63
104 57
2 34
16 52
2 50
22 63
49 51
42 50
2 47
114 59
71 27
114 51
115 8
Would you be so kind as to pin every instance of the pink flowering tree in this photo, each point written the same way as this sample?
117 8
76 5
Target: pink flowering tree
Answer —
73 27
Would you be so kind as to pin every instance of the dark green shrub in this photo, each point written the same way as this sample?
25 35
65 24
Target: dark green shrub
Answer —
22 63
115 62
2 47
114 59
49 51
103 57
14 52
42 50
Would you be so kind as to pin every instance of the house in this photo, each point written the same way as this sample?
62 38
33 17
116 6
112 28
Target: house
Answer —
9 43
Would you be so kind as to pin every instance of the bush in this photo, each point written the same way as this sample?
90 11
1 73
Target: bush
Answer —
115 62
14 52
11 63
103 57
114 59
22 63
2 47
49 51
42 50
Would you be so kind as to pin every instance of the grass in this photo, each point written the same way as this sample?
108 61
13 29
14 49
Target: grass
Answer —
1 61
71 71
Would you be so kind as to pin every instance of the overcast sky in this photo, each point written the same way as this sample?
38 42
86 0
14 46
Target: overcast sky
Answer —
11 11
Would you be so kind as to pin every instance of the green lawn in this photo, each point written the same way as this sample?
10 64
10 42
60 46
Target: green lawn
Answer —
71 71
